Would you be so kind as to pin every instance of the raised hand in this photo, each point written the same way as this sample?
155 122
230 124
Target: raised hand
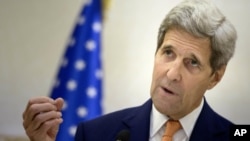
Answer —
42 117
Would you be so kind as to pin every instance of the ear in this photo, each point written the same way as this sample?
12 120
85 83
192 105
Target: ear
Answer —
216 77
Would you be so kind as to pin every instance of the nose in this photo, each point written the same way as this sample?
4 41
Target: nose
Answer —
174 71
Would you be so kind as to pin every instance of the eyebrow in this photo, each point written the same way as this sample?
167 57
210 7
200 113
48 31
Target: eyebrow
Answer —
167 47
192 54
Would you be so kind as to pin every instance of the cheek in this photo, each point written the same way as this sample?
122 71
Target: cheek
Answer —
158 72
156 76
195 89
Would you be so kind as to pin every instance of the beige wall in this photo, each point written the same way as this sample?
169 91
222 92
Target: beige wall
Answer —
13 138
33 34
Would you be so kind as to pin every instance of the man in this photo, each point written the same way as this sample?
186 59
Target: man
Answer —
195 43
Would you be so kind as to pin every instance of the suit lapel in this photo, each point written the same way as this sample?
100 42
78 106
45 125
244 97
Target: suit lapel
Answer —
207 125
139 122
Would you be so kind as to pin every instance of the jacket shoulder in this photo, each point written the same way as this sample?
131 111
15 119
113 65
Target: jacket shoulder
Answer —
211 126
105 127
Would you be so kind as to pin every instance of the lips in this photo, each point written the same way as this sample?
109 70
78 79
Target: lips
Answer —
168 91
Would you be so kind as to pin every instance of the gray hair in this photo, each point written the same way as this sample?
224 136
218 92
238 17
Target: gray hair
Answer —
203 19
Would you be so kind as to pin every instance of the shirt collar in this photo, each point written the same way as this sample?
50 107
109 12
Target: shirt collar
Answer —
187 122
157 121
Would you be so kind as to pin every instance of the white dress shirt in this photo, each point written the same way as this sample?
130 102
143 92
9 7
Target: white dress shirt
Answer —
158 120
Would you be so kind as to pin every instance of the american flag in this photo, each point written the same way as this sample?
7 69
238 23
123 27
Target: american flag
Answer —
79 80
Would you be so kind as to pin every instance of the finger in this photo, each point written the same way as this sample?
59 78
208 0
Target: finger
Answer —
51 127
59 103
54 130
44 128
36 100
43 117
36 109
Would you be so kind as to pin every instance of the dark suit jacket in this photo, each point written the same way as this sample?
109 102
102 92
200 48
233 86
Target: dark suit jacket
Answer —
209 126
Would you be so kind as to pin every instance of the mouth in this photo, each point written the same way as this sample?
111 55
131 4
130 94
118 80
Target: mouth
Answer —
166 90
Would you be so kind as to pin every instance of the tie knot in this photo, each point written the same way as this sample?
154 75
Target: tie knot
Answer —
172 126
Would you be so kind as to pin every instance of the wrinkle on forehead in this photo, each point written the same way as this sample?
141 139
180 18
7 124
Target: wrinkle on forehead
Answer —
188 44
186 38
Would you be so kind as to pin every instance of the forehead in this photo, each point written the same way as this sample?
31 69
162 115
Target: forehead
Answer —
184 38
185 42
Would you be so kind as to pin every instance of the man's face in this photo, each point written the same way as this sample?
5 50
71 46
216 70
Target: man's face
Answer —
182 73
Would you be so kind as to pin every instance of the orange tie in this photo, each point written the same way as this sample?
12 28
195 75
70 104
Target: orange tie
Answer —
172 126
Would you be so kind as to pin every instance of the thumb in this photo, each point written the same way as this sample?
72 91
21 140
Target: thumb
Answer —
59 103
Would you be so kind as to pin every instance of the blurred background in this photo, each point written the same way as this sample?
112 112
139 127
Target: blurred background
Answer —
34 34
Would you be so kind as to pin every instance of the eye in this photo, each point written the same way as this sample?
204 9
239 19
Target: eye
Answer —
169 52
194 63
